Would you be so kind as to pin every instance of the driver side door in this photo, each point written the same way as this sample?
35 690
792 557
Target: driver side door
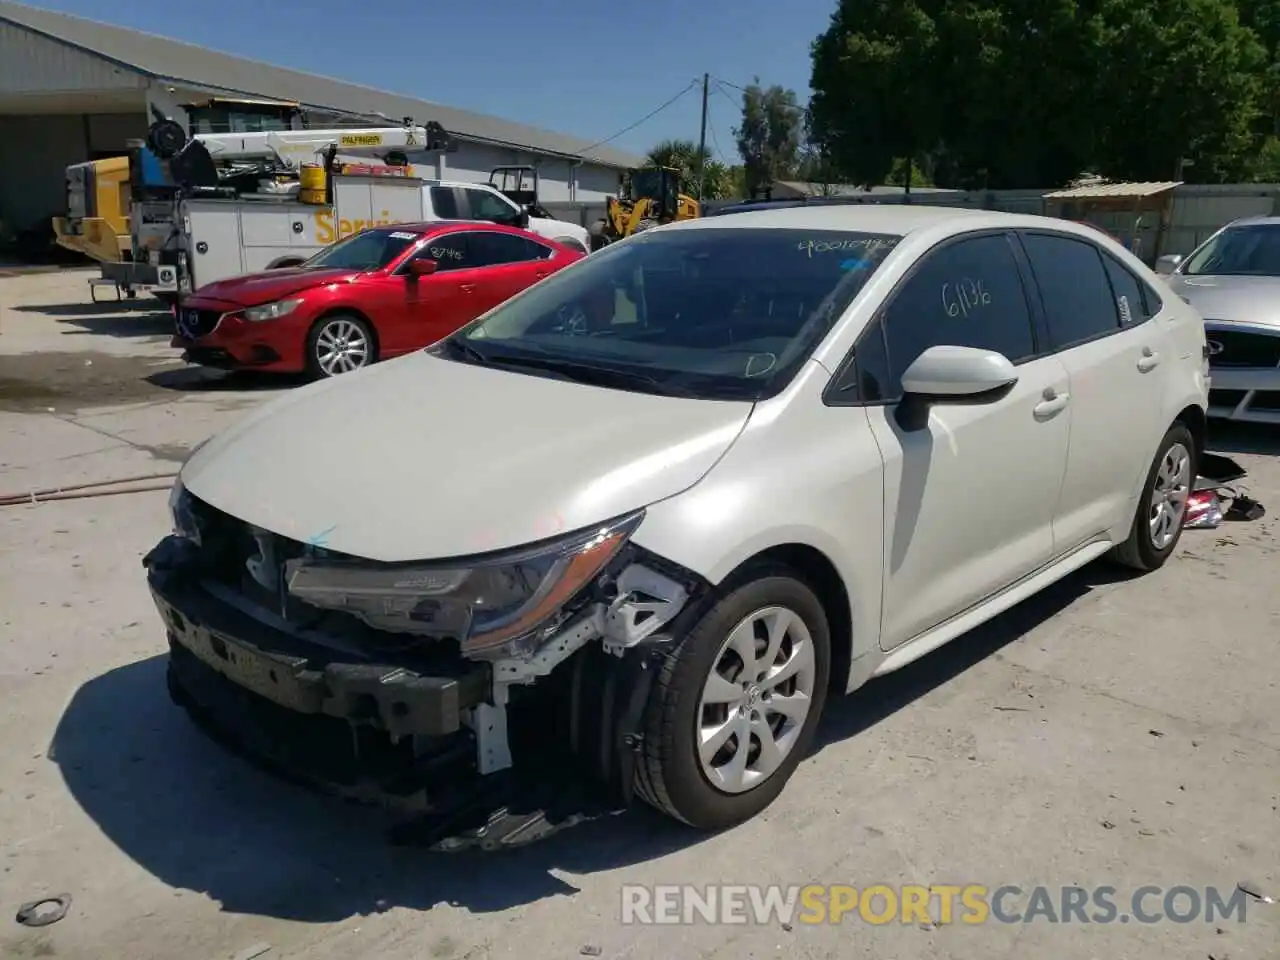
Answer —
439 303
971 493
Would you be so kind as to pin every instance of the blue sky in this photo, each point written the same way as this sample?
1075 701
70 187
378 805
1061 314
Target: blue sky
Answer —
581 68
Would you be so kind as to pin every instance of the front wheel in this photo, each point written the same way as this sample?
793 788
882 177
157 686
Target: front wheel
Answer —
736 704
339 344
1162 507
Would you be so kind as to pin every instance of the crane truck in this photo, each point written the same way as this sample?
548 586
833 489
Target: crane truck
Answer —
211 206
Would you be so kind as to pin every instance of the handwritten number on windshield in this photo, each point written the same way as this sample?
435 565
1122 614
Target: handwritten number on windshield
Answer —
962 298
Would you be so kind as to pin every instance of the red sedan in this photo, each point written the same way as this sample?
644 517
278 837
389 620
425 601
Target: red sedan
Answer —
375 295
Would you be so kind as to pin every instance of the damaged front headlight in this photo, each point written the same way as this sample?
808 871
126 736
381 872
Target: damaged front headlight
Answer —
493 606
182 512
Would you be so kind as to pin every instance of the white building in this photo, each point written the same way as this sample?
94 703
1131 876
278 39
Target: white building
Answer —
73 89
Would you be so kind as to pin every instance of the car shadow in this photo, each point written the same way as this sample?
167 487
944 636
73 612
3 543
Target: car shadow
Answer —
128 319
1256 438
200 818
196 379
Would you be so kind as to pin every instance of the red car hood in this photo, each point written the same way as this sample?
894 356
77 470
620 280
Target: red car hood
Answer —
254 288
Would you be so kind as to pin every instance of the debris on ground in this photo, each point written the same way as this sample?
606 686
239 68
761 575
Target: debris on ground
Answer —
591 950
46 910
1253 890
253 952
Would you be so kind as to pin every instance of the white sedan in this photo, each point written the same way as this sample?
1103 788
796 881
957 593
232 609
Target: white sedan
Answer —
688 487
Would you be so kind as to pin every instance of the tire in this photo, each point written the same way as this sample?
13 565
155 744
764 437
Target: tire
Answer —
339 331
670 774
646 224
1144 550
285 264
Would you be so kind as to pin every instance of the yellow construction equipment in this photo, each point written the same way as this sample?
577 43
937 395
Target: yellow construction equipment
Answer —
97 220
649 196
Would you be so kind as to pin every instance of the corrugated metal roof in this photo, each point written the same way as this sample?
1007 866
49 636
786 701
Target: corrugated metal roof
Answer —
811 189
186 63
1103 191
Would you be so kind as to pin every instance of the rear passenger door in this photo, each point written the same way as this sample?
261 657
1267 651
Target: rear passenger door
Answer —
507 263
1095 320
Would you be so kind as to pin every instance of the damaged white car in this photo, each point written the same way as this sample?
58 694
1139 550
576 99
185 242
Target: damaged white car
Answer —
655 507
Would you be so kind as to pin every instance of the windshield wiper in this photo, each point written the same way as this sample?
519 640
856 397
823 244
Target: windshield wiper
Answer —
597 375
474 354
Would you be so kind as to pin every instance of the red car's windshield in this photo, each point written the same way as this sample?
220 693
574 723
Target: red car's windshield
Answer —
367 250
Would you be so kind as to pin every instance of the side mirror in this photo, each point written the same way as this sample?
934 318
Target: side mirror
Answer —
958 373
522 219
1167 264
423 267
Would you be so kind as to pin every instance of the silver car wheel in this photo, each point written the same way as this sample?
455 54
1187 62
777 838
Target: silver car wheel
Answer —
1169 495
755 700
341 347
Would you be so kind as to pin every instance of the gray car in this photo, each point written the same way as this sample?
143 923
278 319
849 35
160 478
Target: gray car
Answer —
1233 281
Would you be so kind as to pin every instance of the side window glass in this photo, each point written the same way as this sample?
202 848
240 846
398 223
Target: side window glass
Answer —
489 249
871 365
968 294
1154 303
444 203
1126 290
535 250
1077 298
451 252
489 206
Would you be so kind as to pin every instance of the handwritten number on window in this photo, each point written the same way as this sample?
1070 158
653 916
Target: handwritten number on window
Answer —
440 253
962 298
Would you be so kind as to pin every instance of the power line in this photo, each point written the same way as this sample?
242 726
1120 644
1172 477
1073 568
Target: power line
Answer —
721 84
648 116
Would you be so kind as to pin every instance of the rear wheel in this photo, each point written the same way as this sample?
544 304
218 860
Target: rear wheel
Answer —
1162 507
735 707
337 344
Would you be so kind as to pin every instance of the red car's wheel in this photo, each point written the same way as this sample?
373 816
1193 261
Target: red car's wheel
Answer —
339 343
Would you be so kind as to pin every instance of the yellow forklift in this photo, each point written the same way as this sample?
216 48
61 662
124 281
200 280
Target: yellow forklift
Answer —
650 196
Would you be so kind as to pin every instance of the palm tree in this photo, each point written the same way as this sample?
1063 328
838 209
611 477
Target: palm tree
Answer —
683 155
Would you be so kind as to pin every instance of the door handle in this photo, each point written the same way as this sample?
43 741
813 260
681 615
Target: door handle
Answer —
1149 361
467 287
1052 404
540 274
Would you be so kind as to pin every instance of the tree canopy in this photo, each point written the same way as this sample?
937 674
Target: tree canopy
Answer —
1015 93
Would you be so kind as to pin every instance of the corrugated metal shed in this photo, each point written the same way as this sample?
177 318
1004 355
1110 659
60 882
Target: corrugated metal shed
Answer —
188 64
1114 191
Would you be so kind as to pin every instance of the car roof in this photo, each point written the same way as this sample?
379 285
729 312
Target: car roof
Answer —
896 219
1258 221
431 227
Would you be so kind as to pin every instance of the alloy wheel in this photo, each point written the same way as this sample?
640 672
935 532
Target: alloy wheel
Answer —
756 699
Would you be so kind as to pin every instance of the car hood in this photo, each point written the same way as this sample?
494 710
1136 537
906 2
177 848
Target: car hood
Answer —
1254 300
554 229
255 288
424 458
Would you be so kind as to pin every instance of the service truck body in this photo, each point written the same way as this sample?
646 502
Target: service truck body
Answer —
193 241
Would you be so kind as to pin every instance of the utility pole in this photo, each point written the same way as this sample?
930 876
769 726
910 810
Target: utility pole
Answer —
702 139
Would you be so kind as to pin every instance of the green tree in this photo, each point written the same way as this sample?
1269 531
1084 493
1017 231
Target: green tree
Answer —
769 138
874 81
1017 93
1190 86
683 155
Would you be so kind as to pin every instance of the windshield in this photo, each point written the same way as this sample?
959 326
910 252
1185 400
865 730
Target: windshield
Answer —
712 313
1252 250
367 250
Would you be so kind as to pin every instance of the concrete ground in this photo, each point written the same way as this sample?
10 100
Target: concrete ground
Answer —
1106 733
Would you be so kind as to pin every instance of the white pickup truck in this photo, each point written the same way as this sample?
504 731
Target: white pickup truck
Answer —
450 200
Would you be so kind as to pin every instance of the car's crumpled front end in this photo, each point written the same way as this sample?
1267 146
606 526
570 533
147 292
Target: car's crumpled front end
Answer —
395 682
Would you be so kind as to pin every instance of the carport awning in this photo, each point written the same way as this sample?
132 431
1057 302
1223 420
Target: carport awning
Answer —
1114 191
